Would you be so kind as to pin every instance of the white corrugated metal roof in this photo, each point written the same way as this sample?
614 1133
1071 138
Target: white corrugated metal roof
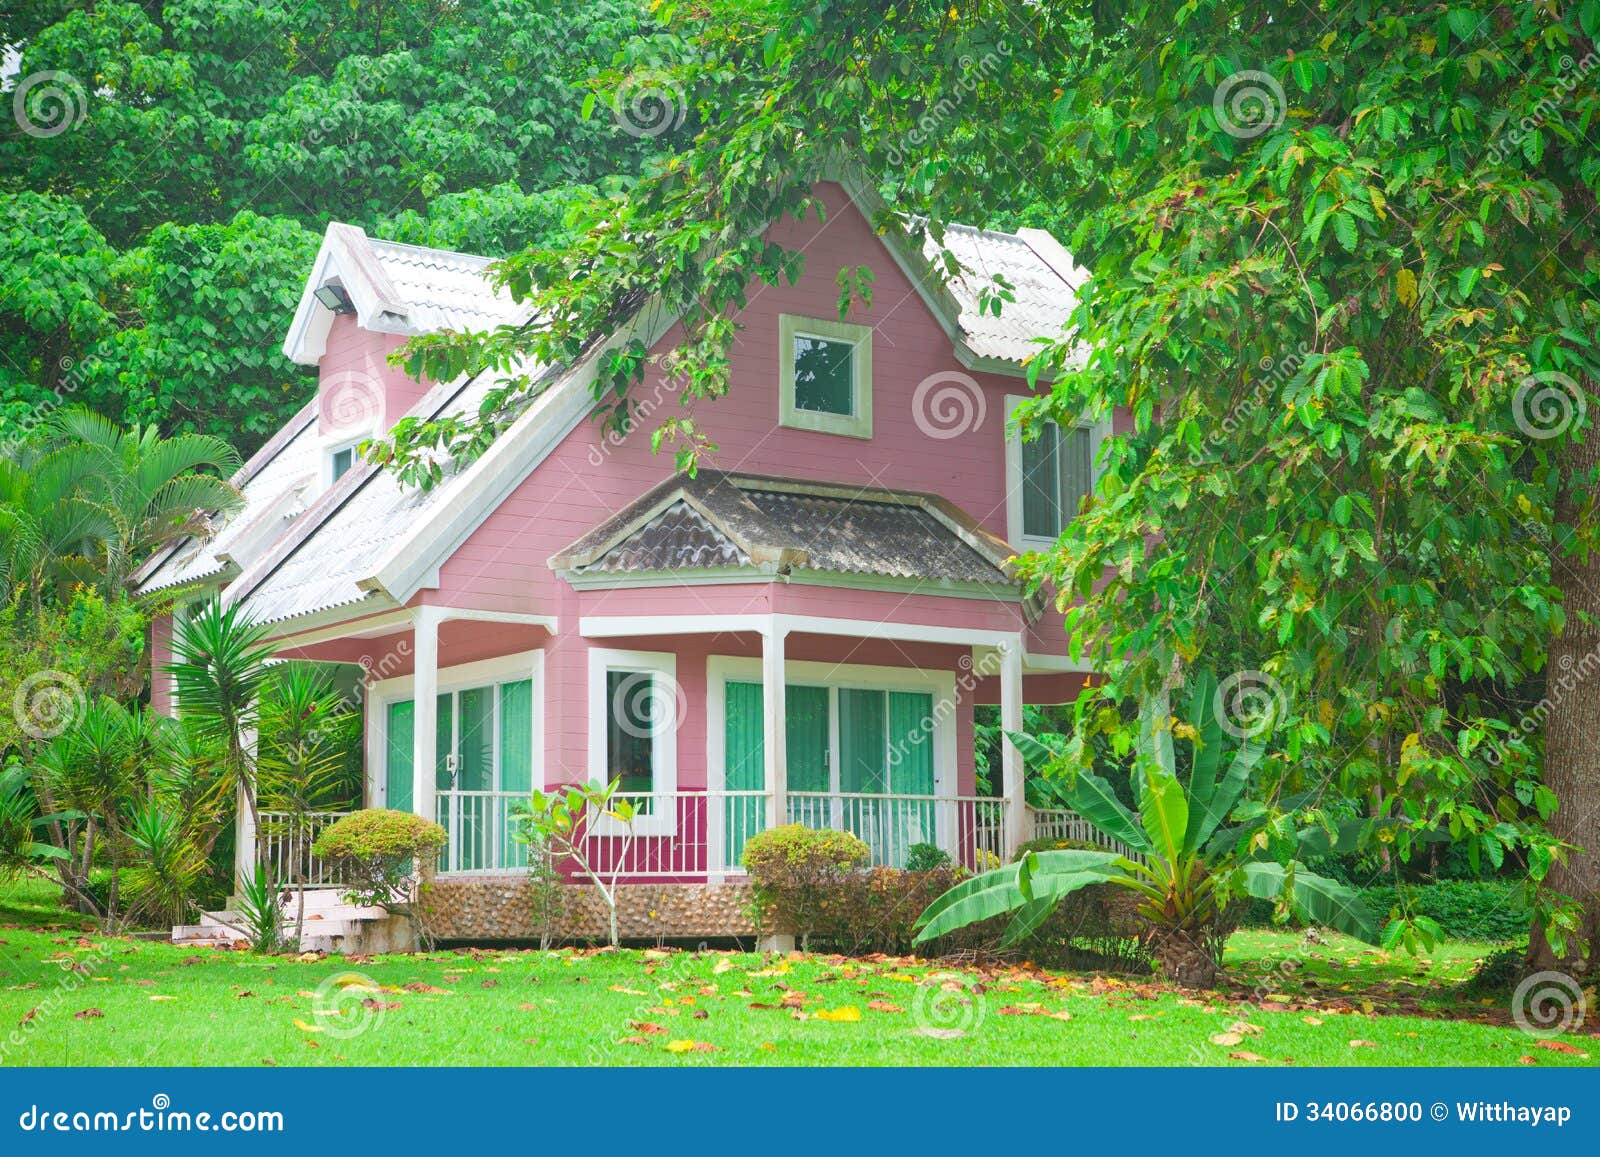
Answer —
348 535
445 290
1045 290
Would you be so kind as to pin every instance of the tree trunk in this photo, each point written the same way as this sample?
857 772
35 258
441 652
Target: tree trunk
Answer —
1183 956
1572 703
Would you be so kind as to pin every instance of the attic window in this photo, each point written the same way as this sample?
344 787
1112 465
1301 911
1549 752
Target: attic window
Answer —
334 295
825 376
340 461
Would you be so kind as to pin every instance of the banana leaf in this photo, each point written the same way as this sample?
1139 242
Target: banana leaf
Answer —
1050 875
1323 900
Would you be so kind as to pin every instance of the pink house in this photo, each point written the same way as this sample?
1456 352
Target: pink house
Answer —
799 633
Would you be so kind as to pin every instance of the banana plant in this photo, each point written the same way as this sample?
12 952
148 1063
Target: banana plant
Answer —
1182 865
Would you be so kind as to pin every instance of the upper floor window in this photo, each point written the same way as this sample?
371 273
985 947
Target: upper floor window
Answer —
825 376
1048 477
340 462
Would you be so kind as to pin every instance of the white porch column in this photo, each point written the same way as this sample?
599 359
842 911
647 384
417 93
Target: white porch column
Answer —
244 843
773 731
1013 771
425 712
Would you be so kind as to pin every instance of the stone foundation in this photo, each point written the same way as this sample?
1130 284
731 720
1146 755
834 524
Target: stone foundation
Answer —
501 908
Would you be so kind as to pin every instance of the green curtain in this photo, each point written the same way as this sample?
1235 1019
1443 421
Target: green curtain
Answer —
477 740
399 754
863 766
445 741
745 768
516 736
911 771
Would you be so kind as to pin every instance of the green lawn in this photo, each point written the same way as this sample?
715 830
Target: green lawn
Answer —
76 999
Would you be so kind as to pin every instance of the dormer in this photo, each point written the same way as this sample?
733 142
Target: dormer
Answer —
363 299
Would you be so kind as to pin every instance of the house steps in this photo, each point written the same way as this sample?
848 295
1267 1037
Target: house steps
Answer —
331 925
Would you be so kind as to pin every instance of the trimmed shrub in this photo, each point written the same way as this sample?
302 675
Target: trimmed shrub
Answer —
793 868
380 850
926 858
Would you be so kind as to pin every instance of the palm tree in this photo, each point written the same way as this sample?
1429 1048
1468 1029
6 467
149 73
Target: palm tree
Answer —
221 661
1185 867
90 499
150 489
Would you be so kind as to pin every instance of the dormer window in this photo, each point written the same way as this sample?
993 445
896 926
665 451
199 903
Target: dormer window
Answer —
338 460
825 376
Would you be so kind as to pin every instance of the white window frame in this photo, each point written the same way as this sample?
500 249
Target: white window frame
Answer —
329 449
1099 430
663 817
857 423
484 673
941 685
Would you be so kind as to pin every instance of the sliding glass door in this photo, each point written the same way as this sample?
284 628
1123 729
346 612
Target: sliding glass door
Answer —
859 759
484 763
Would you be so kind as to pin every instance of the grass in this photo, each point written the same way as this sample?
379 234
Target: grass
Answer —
79 999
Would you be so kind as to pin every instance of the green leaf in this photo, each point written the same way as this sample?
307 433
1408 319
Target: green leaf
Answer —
1323 900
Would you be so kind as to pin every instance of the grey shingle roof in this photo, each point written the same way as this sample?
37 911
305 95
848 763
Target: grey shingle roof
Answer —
442 290
745 520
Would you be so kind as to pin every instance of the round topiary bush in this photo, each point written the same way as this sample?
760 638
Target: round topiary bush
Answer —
795 867
378 851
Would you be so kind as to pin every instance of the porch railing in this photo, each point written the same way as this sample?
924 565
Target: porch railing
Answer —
1060 824
690 835
288 846
971 830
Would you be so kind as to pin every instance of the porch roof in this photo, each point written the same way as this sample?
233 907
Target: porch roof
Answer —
716 520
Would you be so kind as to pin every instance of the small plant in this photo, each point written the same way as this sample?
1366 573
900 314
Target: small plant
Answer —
547 895
926 858
557 825
261 912
168 866
798 866
386 857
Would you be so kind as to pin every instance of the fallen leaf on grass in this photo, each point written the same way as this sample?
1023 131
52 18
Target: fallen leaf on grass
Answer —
159 996
426 989
690 1046
1363 1044
633 1040
1526 1060
883 1006
380 1005
648 1027
1246 1028
1227 1039
722 966
1313 1021
87 1014
626 991
1559 1046
848 1012
304 1027
1245 1055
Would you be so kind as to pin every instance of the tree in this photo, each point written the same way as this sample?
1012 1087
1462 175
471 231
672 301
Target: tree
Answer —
221 663
1344 268
307 731
1185 867
169 178
558 825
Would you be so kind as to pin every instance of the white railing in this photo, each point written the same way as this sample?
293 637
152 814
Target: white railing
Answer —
683 835
1061 824
695 835
971 830
288 846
